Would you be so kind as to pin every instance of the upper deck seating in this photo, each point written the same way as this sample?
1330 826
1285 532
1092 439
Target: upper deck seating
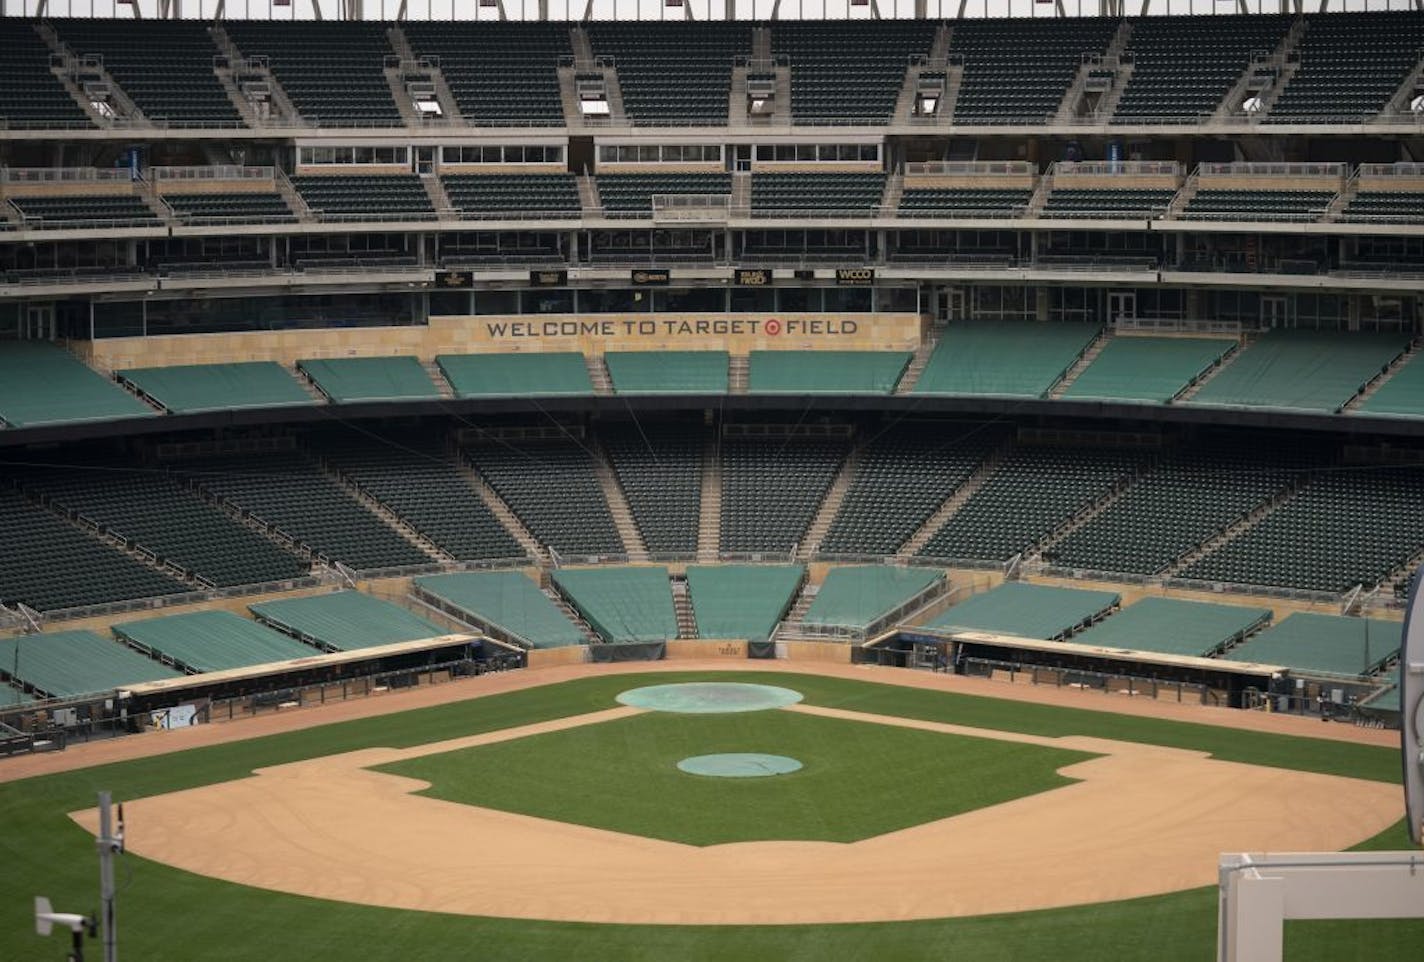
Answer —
332 72
849 72
1350 66
500 73
30 95
1018 71
673 73
165 66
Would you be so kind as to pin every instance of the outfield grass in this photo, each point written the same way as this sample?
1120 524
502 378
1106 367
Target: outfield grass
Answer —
167 914
858 779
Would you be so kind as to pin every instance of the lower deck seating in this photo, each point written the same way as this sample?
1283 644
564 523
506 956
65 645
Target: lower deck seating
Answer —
771 488
203 641
624 605
345 621
660 472
742 601
552 488
1029 611
857 596
1171 626
65 664
508 601
1311 643
50 565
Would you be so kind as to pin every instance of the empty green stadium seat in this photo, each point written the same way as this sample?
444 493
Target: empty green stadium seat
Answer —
345 621
1028 611
508 600
193 388
825 372
624 605
41 384
1171 626
350 379
1301 370
64 664
668 372
211 641
1311 643
857 596
742 601
1004 358
516 375
1152 370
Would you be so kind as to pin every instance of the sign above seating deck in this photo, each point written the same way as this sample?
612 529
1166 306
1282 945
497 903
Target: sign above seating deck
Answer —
855 276
454 280
651 277
558 278
753 277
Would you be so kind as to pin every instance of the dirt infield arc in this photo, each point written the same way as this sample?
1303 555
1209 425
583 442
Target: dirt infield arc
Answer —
1142 820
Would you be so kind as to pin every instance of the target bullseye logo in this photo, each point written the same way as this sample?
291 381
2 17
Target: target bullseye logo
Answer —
772 327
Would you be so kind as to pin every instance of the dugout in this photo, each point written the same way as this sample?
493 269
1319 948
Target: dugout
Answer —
1066 664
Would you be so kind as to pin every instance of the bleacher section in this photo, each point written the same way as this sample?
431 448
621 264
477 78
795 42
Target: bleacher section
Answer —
165 66
350 379
1182 67
345 621
1257 204
1309 643
1373 510
508 601
1031 494
1028 611
1108 203
904 475
371 196
513 196
857 596
821 195
742 601
1350 65
288 492
31 96
660 472
673 73
1170 626
49 565
502 74
414 478
1018 71
1402 394
668 372
332 72
210 641
1152 370
64 664
849 72
964 201
95 211
516 375
42 384
146 509
1189 498
238 207
190 389
771 489
1301 370
552 488
631 195
624 605
825 372
1004 358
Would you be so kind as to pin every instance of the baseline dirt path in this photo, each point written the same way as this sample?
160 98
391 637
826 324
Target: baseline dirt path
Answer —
1143 820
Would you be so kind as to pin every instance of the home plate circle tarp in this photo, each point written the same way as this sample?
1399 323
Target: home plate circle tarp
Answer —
709 698
739 765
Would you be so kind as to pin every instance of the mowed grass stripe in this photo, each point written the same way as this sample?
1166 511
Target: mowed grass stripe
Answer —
167 914
860 779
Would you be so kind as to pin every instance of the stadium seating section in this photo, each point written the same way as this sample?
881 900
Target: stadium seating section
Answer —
41 384
856 596
1152 370
631 195
800 195
1301 370
351 379
1003 358
189 389
1170 626
210 641
903 476
1182 67
507 600
840 75
1375 206
668 372
1259 204
290 493
673 73
1402 394
772 487
165 67
1018 71
501 74
63 664
1349 67
49 564
420 483
31 96
515 375
521 196
72 211
660 472
1028 611
825 372
333 73
238 207
1325 644
624 605
345 621
354 196
964 201
742 601
552 488
1109 203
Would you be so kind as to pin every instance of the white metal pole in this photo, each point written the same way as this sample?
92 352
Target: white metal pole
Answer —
108 844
